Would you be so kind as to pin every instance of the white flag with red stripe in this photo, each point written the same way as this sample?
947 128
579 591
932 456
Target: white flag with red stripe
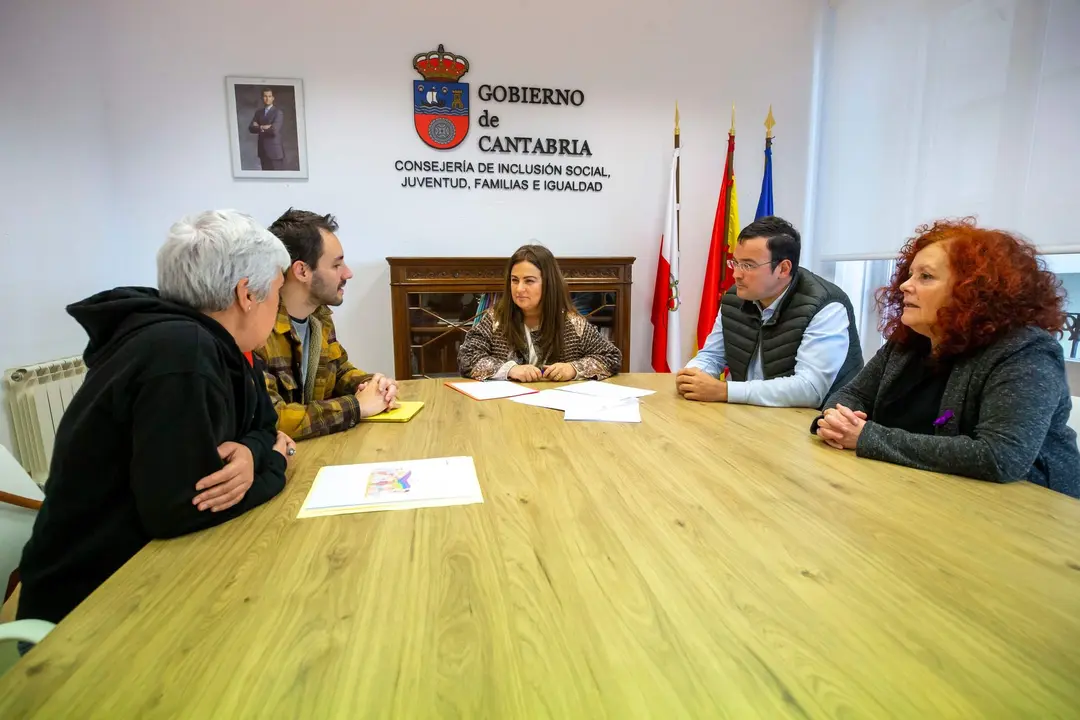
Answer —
666 344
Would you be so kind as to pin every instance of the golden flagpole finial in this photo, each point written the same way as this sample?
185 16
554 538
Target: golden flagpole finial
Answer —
732 131
769 123
676 117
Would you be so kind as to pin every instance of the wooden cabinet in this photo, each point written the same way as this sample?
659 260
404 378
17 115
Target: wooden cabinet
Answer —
435 301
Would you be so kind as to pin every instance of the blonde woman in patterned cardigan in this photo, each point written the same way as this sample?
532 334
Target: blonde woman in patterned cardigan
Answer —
533 332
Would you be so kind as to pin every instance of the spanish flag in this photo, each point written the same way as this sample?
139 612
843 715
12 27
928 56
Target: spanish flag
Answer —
718 277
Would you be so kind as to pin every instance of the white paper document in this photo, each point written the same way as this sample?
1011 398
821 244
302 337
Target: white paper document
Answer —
576 406
628 410
595 388
490 389
556 399
402 485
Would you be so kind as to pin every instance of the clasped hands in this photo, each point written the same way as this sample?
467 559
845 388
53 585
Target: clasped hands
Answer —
379 393
840 427
557 372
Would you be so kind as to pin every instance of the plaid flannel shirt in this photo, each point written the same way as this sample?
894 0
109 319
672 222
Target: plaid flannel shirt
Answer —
326 402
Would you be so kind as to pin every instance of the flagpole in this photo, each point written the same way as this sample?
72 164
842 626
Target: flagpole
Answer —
770 122
678 167
723 267
667 353
765 199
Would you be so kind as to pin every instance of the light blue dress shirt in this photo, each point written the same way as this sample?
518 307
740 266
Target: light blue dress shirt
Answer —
818 360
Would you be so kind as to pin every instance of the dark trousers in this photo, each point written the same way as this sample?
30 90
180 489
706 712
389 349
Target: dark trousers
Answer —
268 164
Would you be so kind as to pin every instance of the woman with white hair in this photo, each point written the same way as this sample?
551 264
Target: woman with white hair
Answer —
172 430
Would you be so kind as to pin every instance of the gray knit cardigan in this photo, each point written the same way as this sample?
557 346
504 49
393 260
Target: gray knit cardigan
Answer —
1004 414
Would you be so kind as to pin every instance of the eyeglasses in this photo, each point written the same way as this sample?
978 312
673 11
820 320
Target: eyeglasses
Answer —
746 266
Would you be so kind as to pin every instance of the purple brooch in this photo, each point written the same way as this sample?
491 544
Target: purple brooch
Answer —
944 418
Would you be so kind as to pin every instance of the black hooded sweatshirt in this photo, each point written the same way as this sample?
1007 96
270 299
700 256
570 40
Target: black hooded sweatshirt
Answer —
165 386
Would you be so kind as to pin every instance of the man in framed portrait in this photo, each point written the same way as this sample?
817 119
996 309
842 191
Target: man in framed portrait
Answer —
268 123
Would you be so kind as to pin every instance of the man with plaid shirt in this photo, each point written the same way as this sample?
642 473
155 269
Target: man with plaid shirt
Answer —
315 389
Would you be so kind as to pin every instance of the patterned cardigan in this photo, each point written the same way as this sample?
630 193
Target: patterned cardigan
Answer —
485 350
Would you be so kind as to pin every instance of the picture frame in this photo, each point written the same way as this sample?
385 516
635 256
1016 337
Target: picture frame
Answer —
267 141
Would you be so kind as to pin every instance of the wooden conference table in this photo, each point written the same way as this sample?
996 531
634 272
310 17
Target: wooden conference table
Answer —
711 561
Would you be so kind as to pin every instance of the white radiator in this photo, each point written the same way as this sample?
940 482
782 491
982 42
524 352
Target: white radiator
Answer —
38 396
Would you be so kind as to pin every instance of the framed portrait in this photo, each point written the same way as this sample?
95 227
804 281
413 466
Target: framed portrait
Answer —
266 127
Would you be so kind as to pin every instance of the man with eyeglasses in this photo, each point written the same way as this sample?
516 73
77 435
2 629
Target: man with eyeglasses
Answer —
784 337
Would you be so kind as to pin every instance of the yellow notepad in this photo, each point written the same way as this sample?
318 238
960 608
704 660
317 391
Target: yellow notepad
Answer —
404 413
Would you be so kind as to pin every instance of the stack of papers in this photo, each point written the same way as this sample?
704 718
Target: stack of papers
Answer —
408 484
628 410
556 400
606 390
596 401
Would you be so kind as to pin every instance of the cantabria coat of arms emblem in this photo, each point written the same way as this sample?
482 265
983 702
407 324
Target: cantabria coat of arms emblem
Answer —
440 102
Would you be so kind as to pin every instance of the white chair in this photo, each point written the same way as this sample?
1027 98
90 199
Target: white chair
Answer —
20 498
31 631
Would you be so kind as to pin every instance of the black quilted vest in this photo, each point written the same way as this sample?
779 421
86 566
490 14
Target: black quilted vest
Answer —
780 336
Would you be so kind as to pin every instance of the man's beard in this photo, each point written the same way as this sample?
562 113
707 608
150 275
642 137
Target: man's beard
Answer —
326 293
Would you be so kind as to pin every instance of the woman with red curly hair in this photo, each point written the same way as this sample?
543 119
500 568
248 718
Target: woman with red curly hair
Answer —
971 380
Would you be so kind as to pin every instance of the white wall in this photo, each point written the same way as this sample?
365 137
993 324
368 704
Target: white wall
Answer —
55 195
119 110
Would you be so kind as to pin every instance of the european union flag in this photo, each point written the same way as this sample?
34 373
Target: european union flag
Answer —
765 202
